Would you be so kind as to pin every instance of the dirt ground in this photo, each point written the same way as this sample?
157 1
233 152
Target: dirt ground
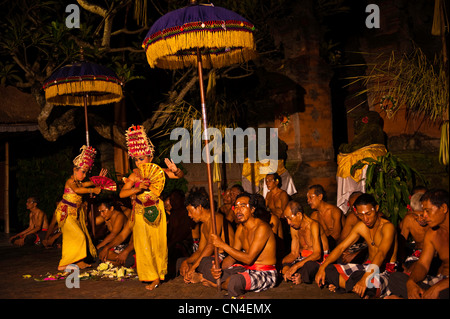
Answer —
36 261
173 295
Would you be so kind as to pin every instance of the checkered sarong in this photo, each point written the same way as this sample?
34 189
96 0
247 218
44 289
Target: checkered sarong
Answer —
432 280
357 247
258 277
414 256
377 280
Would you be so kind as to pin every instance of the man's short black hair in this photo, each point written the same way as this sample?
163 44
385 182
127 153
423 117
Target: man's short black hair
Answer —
365 199
107 201
319 190
277 178
252 199
198 198
295 207
34 199
239 187
437 197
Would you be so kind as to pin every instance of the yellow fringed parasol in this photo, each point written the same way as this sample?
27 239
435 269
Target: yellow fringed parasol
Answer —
222 37
205 36
82 84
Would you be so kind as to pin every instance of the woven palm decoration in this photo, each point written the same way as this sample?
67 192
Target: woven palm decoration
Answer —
138 142
86 158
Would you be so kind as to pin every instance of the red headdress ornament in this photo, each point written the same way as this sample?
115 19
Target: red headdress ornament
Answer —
86 158
138 142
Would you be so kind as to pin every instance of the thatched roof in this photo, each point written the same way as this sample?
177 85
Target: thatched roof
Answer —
18 110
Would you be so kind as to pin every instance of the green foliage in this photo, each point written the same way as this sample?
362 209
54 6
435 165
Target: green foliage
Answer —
389 180
43 177
8 73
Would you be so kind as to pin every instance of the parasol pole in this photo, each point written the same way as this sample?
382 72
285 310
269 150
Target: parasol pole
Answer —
85 98
92 217
208 160
91 213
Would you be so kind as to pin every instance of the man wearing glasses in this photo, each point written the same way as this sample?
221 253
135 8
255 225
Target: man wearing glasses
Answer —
253 255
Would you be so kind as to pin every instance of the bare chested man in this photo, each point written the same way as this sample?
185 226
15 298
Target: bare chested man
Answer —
226 208
380 236
359 249
114 220
330 217
308 246
414 224
276 198
253 255
198 207
37 226
235 190
350 218
419 285
120 250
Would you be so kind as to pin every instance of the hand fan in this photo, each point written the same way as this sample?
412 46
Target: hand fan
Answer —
104 183
155 175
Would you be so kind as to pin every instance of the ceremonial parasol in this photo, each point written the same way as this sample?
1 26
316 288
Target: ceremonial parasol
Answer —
82 84
202 35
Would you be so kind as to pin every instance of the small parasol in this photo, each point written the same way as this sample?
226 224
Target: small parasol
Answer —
82 84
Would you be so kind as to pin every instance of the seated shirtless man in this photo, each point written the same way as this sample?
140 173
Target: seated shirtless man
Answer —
308 247
329 216
115 221
276 198
198 207
357 252
419 284
226 208
252 257
368 279
413 224
37 227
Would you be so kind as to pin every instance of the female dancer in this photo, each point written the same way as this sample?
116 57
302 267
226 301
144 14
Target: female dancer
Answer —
148 218
71 213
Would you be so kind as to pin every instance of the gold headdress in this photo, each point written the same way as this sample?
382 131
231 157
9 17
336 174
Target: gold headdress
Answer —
138 142
86 158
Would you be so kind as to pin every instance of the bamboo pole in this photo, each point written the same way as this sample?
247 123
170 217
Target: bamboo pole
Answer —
85 98
208 160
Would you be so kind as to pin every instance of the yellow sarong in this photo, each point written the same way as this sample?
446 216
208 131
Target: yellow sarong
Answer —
150 239
74 232
345 161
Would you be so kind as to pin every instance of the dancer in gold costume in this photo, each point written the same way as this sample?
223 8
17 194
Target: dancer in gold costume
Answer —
71 213
148 218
